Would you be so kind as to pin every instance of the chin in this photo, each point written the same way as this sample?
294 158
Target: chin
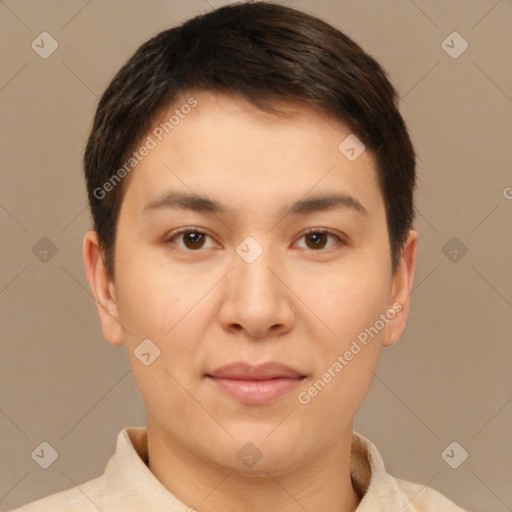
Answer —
259 454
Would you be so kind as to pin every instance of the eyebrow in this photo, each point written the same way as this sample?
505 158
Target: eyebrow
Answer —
203 204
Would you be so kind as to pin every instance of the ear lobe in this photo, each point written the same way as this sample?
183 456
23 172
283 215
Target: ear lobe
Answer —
103 288
401 290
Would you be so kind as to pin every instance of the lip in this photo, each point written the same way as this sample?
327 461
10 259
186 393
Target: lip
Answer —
256 385
245 371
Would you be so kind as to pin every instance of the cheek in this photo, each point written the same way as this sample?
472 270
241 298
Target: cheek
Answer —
170 323
345 361
163 306
349 303
150 299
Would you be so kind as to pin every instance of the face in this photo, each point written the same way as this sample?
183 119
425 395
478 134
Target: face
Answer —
257 273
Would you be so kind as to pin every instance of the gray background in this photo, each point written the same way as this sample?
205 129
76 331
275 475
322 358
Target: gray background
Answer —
448 378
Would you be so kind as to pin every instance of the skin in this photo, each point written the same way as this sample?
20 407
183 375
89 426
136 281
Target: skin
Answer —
205 307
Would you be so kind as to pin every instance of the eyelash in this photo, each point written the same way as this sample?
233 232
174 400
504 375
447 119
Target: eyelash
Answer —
324 231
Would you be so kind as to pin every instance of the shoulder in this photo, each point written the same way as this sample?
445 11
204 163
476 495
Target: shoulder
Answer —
378 487
86 497
424 499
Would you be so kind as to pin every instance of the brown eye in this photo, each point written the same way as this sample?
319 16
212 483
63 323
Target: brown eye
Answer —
316 239
192 239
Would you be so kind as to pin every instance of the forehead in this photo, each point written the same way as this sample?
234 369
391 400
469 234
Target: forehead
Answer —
227 149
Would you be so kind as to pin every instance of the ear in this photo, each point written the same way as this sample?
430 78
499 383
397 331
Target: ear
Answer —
401 290
102 287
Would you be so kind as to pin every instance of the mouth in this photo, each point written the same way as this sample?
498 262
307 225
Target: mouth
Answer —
255 385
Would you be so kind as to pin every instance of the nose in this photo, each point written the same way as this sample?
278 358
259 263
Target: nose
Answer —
257 298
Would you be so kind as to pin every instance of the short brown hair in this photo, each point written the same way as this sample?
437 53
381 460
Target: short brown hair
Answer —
264 52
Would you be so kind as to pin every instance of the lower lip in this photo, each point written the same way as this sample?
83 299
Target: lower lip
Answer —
257 392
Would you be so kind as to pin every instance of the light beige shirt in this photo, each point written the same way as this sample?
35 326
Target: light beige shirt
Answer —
128 485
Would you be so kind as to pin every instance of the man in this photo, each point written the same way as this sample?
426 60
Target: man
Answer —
251 183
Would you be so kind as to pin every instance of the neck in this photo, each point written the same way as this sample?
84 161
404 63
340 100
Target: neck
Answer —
322 483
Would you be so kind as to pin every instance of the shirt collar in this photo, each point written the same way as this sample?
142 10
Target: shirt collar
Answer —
137 488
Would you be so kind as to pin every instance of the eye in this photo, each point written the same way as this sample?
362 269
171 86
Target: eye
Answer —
316 238
193 239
